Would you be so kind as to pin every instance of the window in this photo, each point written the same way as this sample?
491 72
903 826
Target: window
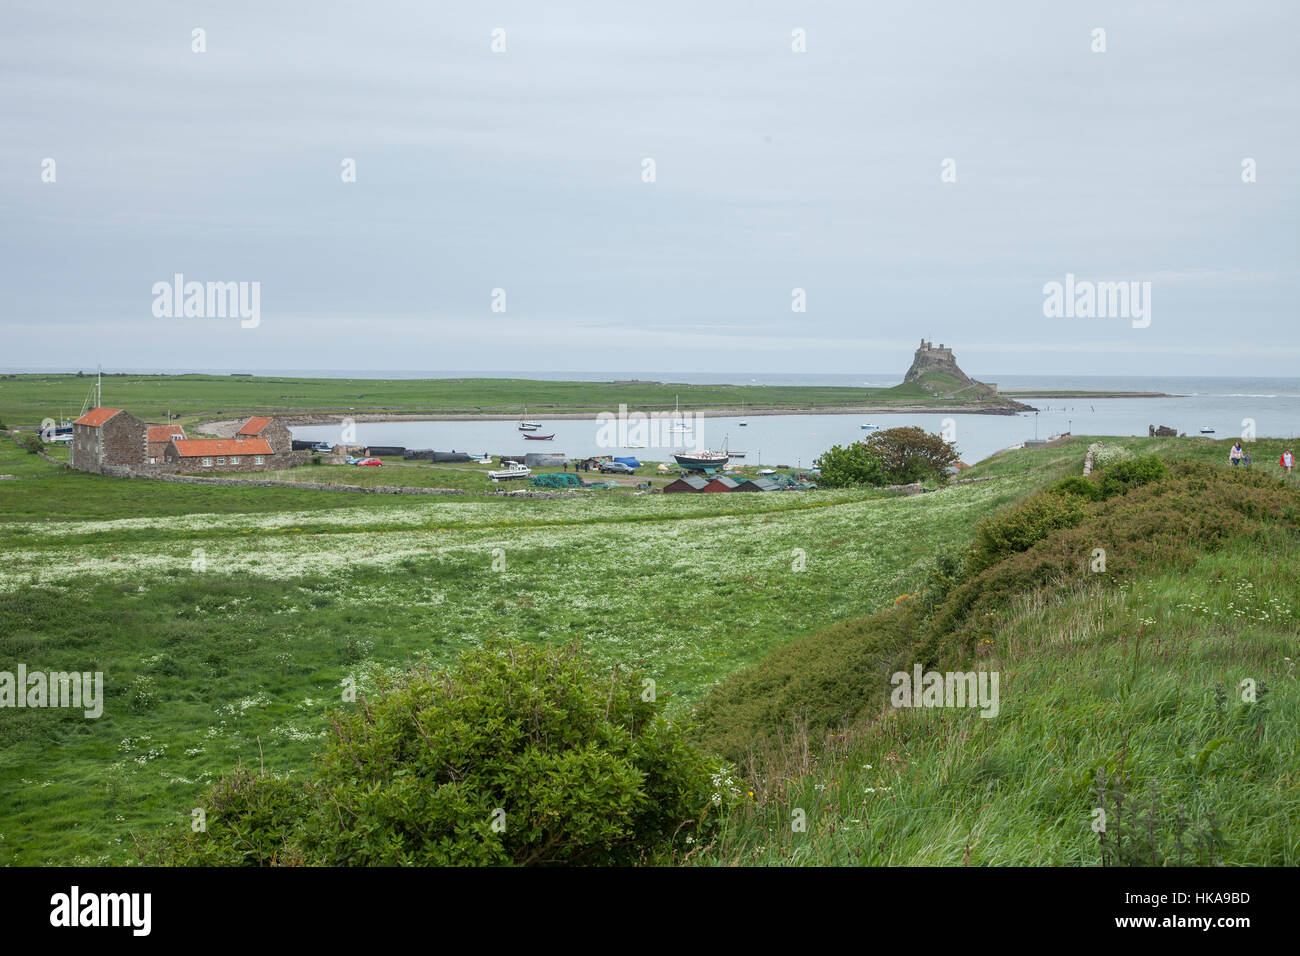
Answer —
259 460
207 462
221 461
234 459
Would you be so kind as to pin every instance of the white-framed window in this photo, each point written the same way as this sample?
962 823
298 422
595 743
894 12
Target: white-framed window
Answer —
259 460
234 459
221 461
207 462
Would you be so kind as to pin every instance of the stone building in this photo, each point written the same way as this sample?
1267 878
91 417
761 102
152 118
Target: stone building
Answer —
275 433
200 455
159 436
108 441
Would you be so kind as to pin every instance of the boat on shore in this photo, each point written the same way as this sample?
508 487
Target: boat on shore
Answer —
515 470
698 460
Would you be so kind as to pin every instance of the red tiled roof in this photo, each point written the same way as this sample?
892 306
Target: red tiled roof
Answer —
206 447
254 426
96 416
159 433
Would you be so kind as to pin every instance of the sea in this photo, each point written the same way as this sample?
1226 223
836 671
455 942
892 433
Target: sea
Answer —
1232 407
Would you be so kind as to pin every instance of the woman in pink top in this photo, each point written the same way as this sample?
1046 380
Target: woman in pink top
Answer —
1287 461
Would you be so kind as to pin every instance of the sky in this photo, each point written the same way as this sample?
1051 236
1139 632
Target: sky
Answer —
916 169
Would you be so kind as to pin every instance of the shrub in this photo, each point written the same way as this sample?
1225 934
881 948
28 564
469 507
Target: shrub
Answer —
1022 526
30 442
1131 473
912 454
1076 485
843 467
521 755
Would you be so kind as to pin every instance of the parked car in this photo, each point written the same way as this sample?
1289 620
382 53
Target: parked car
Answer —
369 461
616 468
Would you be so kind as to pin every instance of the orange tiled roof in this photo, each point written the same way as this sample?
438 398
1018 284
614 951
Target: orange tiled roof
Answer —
159 433
96 416
254 426
206 447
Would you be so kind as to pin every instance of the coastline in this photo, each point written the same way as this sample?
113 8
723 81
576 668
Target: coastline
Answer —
219 426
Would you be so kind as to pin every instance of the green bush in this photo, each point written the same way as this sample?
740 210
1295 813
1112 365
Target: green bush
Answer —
521 755
1022 526
1130 473
912 454
1076 485
844 467
30 442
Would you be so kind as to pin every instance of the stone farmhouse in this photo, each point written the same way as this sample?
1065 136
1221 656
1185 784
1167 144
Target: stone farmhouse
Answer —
159 438
220 454
107 441
110 441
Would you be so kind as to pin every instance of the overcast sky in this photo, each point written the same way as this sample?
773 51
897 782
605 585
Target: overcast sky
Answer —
774 170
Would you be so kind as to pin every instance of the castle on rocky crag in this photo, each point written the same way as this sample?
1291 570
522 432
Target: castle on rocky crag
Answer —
935 368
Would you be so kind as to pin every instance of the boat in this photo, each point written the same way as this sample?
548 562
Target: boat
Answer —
868 426
743 423
540 437
525 425
1207 430
515 470
704 459
678 426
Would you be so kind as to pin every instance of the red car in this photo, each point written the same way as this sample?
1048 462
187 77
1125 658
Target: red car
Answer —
369 461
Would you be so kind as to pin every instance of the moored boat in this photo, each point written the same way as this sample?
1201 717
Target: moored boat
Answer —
540 437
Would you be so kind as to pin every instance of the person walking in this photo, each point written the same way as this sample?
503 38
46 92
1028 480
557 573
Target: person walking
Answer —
1234 456
1245 458
1287 461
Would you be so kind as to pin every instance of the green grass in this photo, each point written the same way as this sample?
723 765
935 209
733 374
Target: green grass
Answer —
1144 678
1121 689
26 399
239 614
224 620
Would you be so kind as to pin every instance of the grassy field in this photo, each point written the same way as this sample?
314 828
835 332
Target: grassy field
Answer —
1162 691
26 399
224 619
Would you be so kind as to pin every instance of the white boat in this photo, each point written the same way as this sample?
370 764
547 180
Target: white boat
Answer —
1207 430
525 425
678 426
515 470
868 426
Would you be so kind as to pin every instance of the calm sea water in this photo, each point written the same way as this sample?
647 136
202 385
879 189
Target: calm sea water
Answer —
1220 403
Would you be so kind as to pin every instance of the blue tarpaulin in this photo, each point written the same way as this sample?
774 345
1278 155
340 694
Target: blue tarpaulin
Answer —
630 462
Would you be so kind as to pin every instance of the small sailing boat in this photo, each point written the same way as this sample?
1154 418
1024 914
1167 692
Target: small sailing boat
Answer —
743 423
525 425
678 425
